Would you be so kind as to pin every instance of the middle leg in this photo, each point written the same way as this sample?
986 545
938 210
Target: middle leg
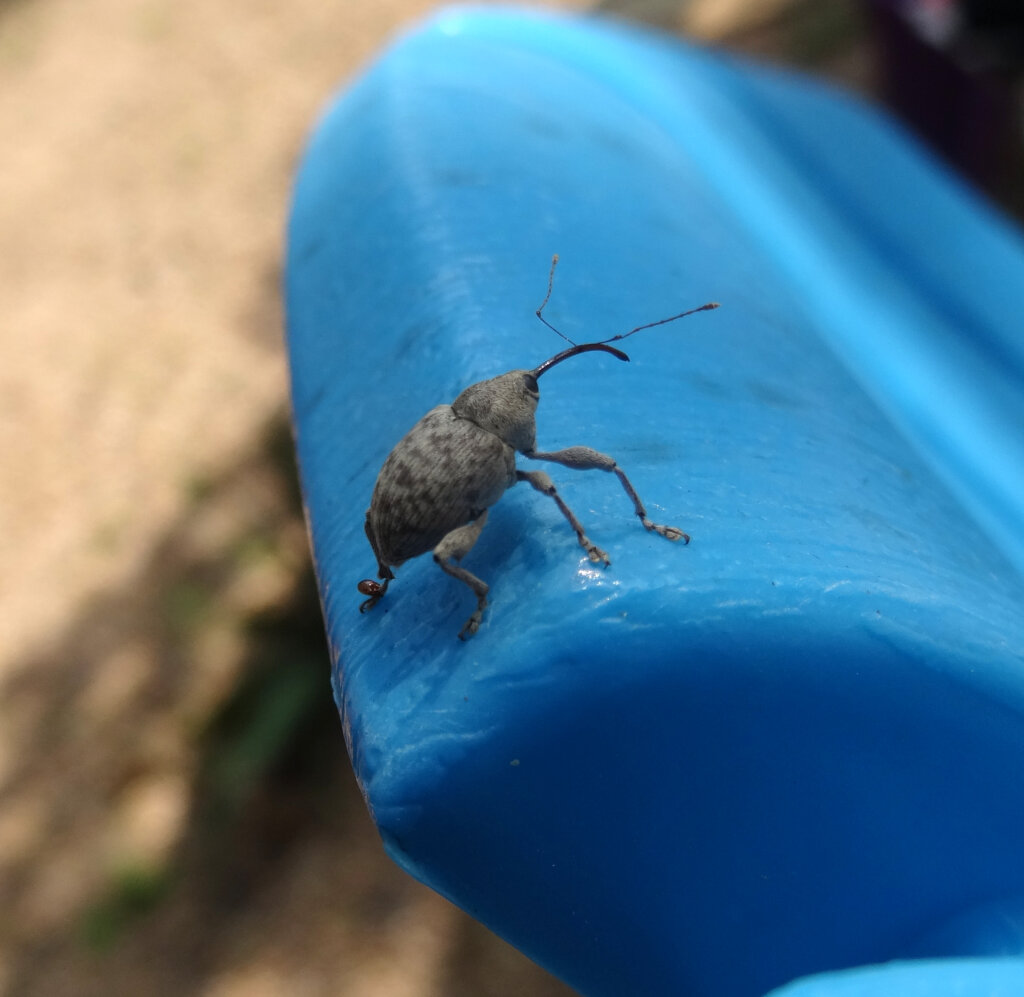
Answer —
543 483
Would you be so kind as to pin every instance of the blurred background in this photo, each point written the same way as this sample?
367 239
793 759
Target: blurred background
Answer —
177 811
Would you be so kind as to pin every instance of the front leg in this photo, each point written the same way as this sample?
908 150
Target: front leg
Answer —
587 459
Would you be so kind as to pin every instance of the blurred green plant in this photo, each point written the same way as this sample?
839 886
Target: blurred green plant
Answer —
134 891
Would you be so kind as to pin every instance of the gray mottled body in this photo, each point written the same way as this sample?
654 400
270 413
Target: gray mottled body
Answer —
444 473
436 486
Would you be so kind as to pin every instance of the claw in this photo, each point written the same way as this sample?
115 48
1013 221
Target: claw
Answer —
472 624
668 532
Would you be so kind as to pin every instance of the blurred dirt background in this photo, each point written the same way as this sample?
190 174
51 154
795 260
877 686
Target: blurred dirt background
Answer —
177 812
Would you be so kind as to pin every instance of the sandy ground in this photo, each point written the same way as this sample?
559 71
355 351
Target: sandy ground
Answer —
177 814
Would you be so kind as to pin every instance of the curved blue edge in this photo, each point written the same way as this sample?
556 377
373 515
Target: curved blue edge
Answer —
796 745
931 978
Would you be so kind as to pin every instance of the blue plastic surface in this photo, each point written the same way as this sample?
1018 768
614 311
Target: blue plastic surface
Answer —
796 745
937 978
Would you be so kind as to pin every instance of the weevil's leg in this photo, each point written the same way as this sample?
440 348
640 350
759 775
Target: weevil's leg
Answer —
454 547
587 459
543 483
383 571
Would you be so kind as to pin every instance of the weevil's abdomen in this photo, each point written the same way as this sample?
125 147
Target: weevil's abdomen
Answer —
442 474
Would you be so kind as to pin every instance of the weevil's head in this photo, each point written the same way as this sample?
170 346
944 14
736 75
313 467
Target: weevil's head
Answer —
507 405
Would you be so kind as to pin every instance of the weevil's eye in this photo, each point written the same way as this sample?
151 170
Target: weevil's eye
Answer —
531 384
369 587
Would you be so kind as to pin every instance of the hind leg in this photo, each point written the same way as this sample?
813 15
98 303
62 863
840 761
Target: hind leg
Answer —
368 586
454 547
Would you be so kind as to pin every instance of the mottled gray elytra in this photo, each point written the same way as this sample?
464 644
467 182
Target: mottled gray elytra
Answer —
437 485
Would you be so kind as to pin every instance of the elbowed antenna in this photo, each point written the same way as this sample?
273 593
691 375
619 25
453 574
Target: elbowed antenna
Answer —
710 306
547 297
601 345
573 350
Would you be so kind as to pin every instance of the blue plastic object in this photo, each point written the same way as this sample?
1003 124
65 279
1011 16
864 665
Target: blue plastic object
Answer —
796 745
939 978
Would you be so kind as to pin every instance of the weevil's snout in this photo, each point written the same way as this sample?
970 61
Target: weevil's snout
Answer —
574 350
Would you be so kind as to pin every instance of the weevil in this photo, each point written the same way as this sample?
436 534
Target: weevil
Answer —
438 484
